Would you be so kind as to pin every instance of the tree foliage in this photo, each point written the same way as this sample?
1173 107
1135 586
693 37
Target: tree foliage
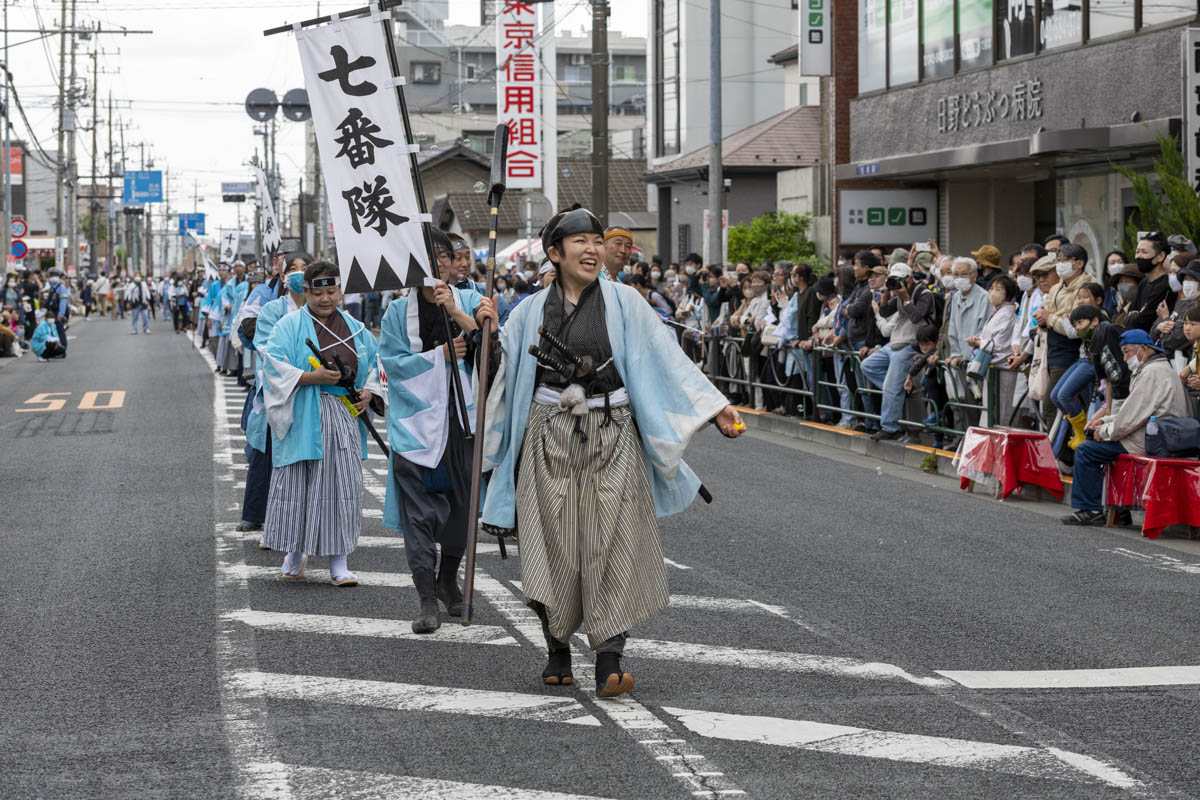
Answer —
775 236
1165 199
85 227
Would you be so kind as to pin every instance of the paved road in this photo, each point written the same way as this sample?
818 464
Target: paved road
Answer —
836 631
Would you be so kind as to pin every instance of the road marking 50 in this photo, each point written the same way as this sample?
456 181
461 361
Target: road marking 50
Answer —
56 401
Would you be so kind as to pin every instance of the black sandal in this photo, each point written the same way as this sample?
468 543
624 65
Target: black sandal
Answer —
558 669
610 680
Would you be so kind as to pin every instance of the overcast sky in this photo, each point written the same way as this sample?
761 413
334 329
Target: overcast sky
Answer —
181 89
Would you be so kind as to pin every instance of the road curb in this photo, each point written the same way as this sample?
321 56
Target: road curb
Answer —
908 455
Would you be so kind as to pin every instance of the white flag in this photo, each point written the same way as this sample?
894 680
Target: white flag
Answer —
230 239
364 155
210 269
271 238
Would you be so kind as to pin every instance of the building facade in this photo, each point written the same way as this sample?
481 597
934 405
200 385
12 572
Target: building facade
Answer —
1015 112
677 70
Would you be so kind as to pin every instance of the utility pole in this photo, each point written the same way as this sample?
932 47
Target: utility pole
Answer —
111 207
60 169
600 110
7 235
716 175
72 167
94 204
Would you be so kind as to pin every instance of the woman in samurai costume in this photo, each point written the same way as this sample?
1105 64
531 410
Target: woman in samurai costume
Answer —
429 470
586 445
314 505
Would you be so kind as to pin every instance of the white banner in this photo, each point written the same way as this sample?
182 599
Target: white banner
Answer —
271 237
519 93
230 240
1191 104
210 269
724 237
816 37
887 216
364 155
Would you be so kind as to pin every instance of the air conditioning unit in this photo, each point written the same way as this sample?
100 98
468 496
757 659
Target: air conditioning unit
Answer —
578 59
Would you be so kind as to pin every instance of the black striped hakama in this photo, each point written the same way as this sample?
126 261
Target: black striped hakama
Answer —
315 507
589 545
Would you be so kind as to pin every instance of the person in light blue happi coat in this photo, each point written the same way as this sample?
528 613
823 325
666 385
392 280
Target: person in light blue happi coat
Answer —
314 505
259 315
585 461
428 491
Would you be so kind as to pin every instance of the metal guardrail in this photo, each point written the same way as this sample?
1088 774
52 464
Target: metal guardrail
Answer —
722 361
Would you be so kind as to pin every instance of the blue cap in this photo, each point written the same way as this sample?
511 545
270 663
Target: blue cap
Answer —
1139 336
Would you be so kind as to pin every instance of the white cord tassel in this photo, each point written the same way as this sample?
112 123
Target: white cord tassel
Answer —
574 399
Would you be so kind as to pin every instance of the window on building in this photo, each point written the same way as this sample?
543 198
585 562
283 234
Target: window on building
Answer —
872 45
974 33
937 54
426 72
902 53
1109 17
1017 28
666 79
1156 12
1062 23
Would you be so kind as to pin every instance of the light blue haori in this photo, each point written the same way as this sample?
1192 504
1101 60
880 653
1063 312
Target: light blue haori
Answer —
670 397
269 314
419 390
293 411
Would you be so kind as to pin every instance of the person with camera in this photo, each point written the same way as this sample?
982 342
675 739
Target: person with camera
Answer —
904 306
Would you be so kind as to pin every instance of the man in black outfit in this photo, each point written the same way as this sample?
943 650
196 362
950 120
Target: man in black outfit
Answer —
1151 258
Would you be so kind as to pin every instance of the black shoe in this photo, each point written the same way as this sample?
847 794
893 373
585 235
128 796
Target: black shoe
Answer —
248 526
885 436
1087 518
610 680
558 668
1124 519
447 585
860 427
427 621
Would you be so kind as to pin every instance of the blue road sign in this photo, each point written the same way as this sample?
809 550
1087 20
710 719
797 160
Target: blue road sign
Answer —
19 248
191 222
237 188
143 186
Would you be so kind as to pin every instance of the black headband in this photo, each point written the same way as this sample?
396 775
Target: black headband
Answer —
321 283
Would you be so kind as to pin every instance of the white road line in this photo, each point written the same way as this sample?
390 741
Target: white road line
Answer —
388 542
365 626
393 580
719 655
251 746
820 737
353 785
1157 560
674 564
691 769
1124 677
414 697
690 601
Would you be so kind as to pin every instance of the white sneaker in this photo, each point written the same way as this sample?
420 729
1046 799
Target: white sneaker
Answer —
133 333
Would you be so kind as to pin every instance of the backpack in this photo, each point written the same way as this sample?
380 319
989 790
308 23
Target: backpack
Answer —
939 308
1173 437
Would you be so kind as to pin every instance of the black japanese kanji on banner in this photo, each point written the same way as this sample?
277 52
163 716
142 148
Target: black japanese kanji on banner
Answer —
365 157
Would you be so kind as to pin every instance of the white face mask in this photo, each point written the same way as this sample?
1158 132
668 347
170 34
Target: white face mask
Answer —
689 269
1065 269
1191 289
1174 282
948 281
963 284
530 274
1115 269
655 274
1133 362
1024 283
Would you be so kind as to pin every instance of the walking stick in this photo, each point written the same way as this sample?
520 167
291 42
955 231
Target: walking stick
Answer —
495 193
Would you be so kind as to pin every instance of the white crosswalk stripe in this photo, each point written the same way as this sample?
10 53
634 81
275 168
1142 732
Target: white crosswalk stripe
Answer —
353 785
414 697
366 626
820 737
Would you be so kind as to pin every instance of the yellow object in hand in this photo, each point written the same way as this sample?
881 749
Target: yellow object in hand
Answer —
345 400
739 427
